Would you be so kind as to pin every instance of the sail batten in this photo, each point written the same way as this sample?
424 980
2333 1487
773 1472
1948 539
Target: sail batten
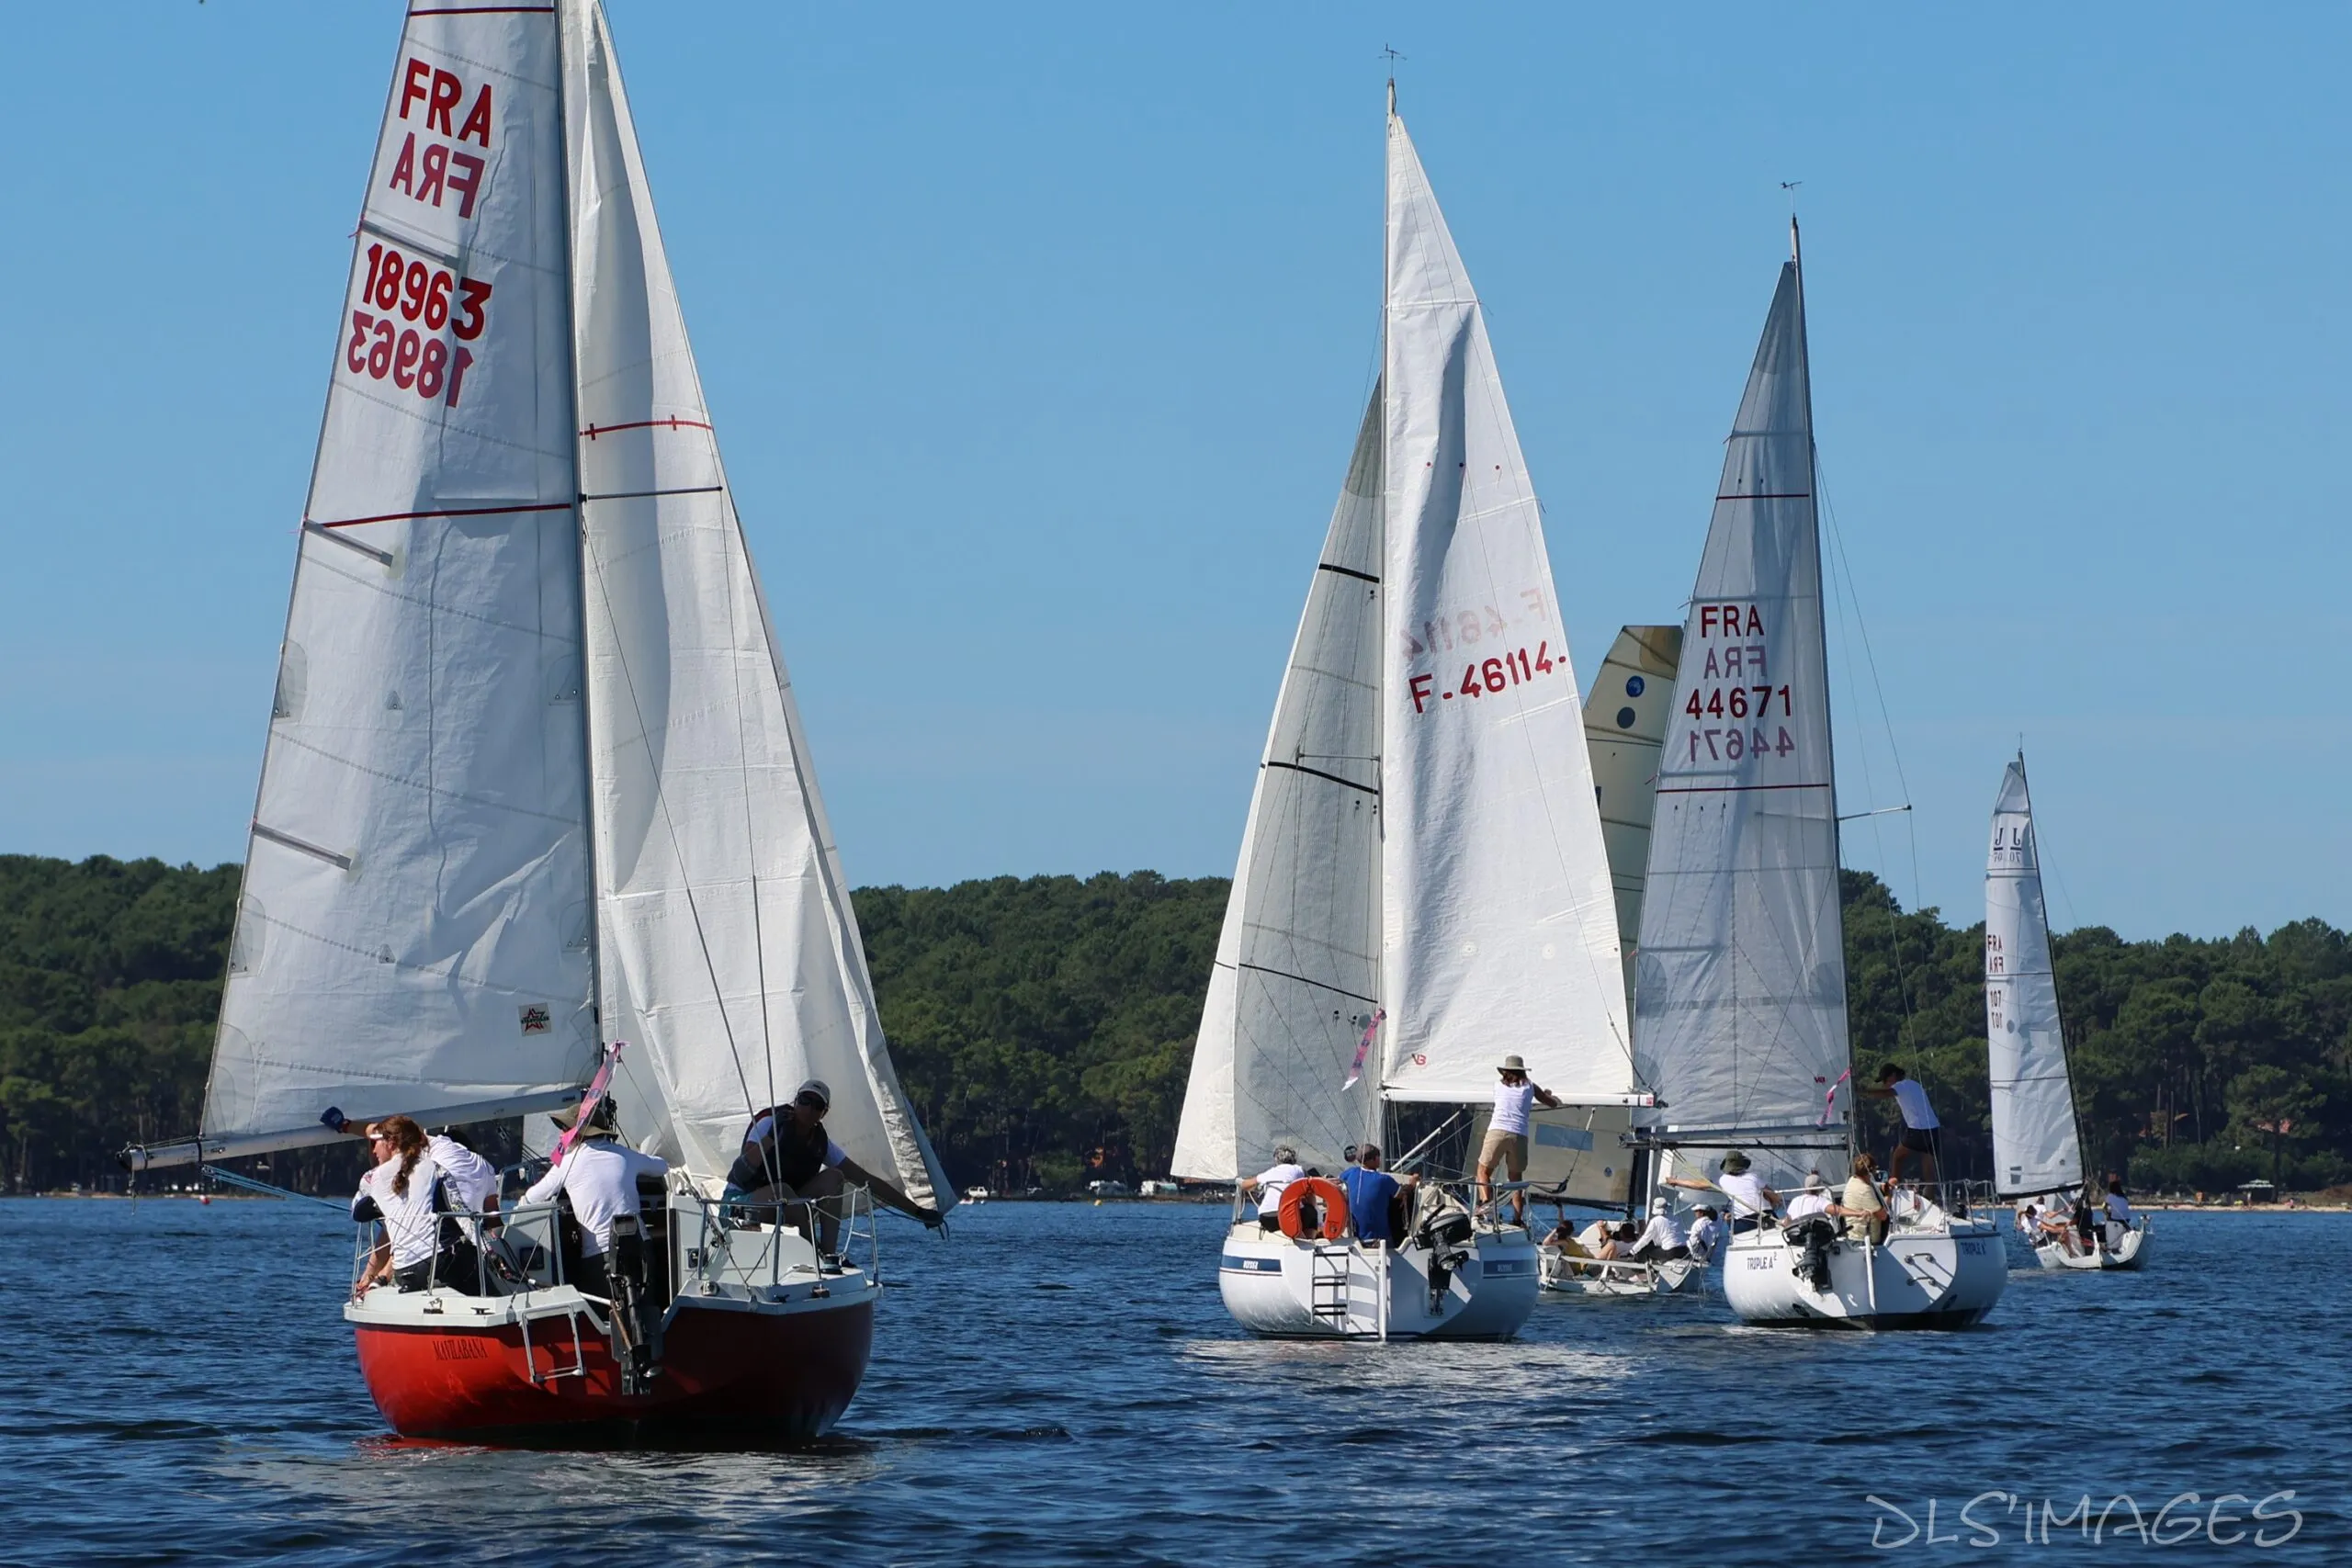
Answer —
1740 987
2036 1146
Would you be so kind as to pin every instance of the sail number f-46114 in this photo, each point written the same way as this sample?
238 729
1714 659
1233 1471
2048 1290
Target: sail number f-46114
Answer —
1489 677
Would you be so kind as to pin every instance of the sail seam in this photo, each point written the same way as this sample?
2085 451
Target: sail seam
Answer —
434 790
1771 495
670 421
1731 789
1347 571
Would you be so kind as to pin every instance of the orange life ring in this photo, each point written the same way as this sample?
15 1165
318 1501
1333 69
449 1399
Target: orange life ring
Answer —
1326 1193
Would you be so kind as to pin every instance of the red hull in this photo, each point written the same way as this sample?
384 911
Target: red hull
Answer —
778 1376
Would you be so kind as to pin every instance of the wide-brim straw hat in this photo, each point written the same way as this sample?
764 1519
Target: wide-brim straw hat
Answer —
1513 1064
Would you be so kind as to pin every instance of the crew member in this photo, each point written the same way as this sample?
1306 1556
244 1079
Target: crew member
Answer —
1370 1192
399 1191
1269 1183
790 1158
1859 1205
599 1175
1506 1143
1662 1237
1705 1232
1921 1131
1752 1202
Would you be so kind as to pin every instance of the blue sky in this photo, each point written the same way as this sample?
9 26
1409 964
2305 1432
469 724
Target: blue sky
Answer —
1036 338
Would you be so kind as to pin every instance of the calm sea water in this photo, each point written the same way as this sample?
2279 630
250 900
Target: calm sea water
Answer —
1057 1384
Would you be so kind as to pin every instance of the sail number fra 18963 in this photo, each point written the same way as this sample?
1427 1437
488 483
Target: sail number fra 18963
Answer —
415 361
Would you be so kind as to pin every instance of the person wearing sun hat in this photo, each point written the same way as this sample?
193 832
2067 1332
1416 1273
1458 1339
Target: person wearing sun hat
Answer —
1751 1201
1506 1143
599 1175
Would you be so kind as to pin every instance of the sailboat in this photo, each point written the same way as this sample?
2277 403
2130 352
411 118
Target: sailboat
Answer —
1740 990
535 781
1578 1154
1422 887
2037 1146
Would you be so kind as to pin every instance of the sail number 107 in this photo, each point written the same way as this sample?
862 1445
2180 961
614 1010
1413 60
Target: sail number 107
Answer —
413 360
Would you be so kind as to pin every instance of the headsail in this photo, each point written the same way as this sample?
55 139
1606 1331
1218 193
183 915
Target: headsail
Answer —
729 943
1625 724
413 932
2035 1146
1297 961
1741 988
1498 925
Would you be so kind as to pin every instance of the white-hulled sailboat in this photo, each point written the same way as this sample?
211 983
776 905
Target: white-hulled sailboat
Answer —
1422 887
1740 997
2037 1144
535 781
1579 1154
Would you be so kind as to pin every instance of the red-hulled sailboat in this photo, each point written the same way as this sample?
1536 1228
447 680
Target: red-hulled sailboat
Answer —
535 780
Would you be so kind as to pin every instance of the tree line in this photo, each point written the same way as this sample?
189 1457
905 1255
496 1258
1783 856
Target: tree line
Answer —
1044 1026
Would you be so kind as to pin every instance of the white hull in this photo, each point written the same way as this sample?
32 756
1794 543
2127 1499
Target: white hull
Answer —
1946 1276
1310 1290
2127 1252
1568 1276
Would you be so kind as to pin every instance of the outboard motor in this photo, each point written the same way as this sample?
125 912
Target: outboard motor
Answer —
625 1274
1816 1234
1445 1230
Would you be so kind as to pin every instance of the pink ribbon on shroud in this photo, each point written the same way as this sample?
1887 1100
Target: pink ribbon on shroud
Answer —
588 1102
1830 1103
1363 1047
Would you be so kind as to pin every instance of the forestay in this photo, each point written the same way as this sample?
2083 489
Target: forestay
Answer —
1741 980
1297 960
2035 1146
730 947
413 929
1499 928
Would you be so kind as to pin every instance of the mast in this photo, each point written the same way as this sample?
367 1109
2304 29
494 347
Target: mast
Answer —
1821 620
1376 1114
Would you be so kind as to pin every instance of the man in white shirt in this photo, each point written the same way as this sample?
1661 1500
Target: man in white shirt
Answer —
599 1175
1268 1185
1751 1201
1662 1237
1705 1234
1921 1130
1506 1143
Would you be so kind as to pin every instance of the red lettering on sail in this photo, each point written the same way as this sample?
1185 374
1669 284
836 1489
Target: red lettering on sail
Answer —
466 164
415 76
404 168
477 126
437 169
446 90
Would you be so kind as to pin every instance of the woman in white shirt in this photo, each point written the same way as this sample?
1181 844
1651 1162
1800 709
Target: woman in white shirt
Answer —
1506 1144
399 1191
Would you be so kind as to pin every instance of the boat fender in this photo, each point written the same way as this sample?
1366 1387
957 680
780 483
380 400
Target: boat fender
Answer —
1328 1221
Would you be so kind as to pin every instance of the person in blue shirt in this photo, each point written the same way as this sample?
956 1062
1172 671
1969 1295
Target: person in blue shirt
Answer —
1369 1190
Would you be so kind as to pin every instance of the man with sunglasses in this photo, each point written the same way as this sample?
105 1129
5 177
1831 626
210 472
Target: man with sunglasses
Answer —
788 1158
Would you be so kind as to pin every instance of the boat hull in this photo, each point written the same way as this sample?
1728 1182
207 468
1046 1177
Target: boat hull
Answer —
2130 1252
1562 1275
1273 1287
779 1372
1935 1278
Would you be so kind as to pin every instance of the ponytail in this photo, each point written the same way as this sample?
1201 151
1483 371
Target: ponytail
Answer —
409 1139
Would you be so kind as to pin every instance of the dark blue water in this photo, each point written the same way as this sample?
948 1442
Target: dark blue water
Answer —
1059 1384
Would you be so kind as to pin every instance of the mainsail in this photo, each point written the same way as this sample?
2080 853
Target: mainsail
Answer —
413 931
535 757
1625 724
1498 921
1741 975
1298 961
2035 1146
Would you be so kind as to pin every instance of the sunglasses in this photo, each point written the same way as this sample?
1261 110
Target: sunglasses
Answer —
810 1101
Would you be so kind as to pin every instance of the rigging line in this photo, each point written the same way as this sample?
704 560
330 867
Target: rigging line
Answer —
1850 598
677 849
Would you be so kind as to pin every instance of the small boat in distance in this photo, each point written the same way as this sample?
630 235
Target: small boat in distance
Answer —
535 782
1740 1003
1422 888
2037 1139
